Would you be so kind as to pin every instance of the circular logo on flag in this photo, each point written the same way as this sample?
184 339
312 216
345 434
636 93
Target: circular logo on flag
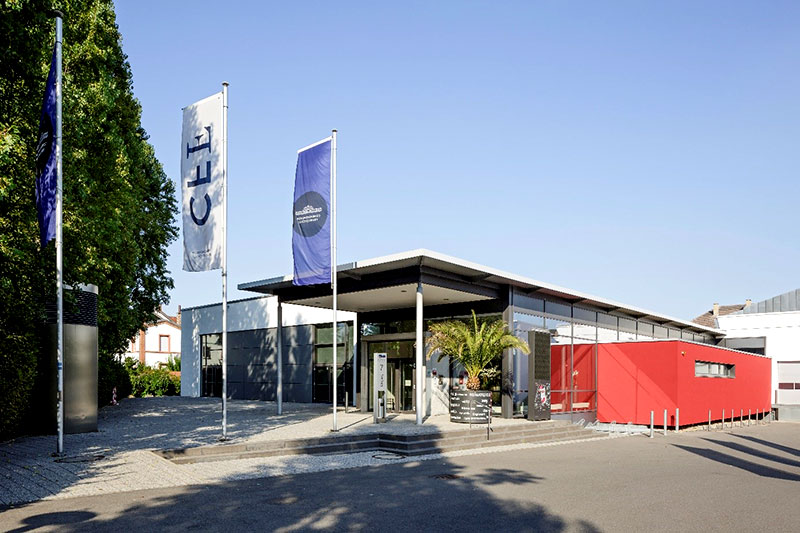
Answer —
45 145
310 214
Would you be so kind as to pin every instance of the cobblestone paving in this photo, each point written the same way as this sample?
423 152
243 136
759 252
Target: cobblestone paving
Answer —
117 458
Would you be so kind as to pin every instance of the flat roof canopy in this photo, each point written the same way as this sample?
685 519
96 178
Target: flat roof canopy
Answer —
390 282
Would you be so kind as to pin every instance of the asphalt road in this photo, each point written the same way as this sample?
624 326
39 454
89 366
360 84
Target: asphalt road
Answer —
746 479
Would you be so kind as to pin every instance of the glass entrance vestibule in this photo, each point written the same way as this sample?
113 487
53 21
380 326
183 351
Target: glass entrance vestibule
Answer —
401 381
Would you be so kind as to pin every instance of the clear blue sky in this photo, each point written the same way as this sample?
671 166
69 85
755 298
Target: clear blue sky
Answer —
639 151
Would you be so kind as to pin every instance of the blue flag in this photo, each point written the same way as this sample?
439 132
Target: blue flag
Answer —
46 179
311 235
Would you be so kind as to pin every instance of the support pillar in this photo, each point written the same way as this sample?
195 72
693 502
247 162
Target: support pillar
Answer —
279 356
420 371
507 366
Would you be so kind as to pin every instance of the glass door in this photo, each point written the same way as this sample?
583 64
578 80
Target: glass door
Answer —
400 380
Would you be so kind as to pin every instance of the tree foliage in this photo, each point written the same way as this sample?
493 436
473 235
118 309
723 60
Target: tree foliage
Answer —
472 345
119 206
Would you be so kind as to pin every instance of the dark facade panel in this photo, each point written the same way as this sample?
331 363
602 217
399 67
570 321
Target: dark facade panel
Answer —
297 375
293 392
296 336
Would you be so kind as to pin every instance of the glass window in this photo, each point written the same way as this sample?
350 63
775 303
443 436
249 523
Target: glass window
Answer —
606 335
558 327
607 320
714 370
530 321
674 333
659 332
627 324
644 330
553 308
528 302
211 365
687 335
585 315
325 333
163 343
627 336
584 333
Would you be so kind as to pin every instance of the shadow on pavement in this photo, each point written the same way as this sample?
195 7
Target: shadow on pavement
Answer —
74 518
731 460
427 495
757 453
787 449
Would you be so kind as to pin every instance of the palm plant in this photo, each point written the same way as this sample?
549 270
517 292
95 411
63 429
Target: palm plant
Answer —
473 345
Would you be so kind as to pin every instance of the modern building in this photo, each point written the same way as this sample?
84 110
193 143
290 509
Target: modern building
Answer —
390 301
157 342
307 351
770 327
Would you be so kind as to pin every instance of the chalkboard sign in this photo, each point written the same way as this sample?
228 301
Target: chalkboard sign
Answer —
470 407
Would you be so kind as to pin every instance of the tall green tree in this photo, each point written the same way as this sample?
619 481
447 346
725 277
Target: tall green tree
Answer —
119 206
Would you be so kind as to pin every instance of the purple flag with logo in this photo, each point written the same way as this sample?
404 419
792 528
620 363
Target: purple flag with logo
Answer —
46 179
311 235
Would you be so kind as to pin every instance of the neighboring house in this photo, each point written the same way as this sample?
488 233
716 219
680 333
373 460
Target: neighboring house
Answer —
158 341
770 327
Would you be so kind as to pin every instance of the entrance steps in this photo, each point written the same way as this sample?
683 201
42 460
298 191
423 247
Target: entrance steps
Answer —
403 444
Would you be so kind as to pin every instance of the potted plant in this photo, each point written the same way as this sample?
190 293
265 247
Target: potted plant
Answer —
474 345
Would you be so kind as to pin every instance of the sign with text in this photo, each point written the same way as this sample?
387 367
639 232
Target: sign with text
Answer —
379 387
470 407
380 372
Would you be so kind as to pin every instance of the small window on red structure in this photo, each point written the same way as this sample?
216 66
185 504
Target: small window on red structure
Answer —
708 369
788 386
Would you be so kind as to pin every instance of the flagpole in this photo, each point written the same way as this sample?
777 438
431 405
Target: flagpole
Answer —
334 274
59 240
225 261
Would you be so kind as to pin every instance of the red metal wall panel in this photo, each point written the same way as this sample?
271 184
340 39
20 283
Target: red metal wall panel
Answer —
634 378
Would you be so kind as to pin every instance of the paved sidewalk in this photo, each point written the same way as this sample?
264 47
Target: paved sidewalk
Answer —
118 457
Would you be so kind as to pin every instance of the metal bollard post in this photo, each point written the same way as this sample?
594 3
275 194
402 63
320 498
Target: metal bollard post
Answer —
651 424
741 418
709 419
749 412
677 420
665 422
758 417
723 419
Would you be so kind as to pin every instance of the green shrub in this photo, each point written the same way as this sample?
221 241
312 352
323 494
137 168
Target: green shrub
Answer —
174 363
111 373
147 381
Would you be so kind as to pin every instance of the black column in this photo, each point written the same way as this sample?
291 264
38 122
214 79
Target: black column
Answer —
507 377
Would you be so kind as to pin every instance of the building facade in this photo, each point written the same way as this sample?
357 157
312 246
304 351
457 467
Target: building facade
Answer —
307 365
771 327
156 343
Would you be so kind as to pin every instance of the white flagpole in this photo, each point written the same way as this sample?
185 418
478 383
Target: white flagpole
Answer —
59 239
333 274
225 260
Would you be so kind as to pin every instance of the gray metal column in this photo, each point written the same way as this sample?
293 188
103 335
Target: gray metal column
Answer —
279 356
420 348
354 365
507 372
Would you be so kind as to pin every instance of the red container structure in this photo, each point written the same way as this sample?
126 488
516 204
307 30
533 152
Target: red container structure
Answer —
634 378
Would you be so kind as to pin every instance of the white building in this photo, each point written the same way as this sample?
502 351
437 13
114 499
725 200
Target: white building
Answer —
157 342
307 362
772 325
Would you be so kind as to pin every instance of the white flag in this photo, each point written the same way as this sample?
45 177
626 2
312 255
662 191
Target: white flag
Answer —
201 183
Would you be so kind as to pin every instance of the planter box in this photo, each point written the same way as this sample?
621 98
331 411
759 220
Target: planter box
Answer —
470 406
